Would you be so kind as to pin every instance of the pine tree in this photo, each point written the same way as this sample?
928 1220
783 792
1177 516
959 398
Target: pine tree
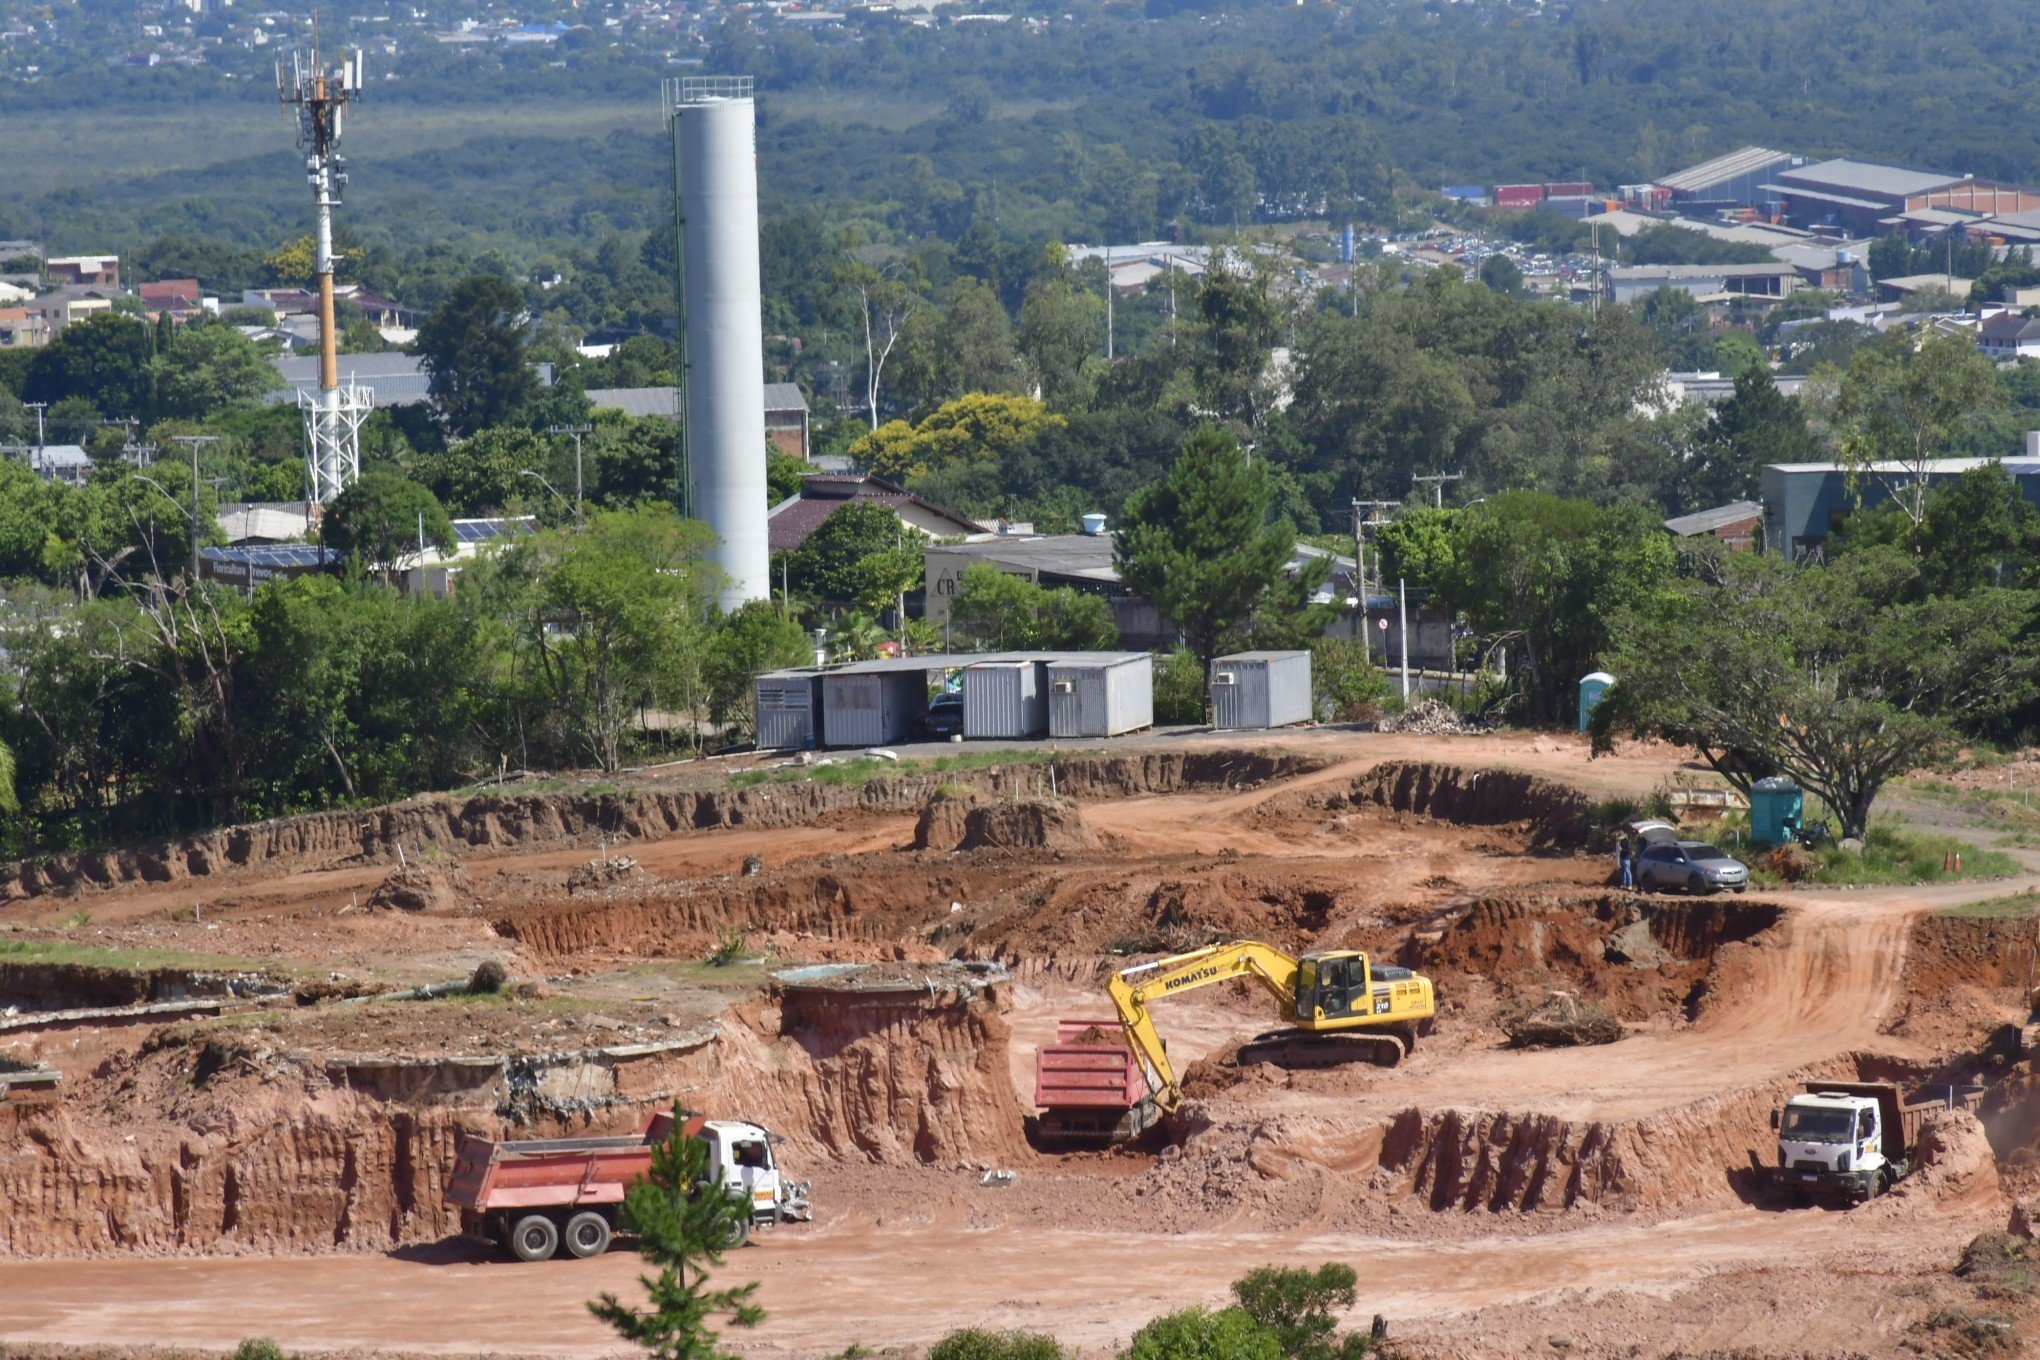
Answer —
685 1220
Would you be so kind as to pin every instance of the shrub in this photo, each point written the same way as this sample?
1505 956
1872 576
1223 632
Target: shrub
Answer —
1349 686
258 1348
488 979
1179 688
731 950
972 1344
1200 1334
1296 1307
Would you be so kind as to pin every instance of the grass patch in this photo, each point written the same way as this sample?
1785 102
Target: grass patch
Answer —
2017 907
2001 1266
1894 855
123 960
866 768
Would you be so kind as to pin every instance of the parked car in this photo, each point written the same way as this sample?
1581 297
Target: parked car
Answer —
945 715
1664 862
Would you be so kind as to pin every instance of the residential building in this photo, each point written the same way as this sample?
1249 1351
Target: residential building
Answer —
101 271
786 418
178 299
2009 335
70 305
1897 289
21 328
791 522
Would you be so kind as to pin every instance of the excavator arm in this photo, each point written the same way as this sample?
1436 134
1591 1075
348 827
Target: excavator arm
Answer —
1133 988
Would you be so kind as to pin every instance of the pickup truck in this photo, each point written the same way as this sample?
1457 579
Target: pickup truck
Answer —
534 1195
1853 1139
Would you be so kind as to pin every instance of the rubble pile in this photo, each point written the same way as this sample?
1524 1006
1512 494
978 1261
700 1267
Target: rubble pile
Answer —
1562 1021
1432 718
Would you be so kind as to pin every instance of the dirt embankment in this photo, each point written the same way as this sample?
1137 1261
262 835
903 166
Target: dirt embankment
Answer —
1556 816
228 1145
70 986
530 821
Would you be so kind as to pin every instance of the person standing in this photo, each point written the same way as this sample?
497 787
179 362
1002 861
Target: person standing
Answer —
1625 862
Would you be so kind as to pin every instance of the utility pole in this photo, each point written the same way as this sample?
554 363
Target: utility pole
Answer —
577 431
1402 629
1108 304
1374 512
192 441
38 407
1437 481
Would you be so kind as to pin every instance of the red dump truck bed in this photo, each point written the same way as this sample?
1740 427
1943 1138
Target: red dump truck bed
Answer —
551 1172
1089 1085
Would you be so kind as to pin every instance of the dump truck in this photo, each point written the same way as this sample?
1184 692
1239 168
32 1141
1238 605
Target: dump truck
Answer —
1090 1087
1851 1140
533 1196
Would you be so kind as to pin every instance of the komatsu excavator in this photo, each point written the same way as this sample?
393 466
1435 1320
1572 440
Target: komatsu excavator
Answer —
1336 1007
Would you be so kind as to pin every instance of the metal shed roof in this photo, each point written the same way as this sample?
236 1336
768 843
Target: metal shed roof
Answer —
1735 164
1720 517
1866 177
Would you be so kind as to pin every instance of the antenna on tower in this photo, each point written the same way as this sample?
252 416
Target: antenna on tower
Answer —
333 415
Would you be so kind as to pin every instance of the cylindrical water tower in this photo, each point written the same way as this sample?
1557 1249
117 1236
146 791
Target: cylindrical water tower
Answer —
715 146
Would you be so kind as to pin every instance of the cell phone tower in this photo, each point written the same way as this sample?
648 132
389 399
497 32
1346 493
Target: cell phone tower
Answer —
333 414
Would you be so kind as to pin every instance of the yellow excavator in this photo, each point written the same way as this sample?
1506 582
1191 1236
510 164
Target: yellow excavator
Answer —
1337 1007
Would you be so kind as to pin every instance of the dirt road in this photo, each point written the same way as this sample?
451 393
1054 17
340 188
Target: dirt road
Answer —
887 1285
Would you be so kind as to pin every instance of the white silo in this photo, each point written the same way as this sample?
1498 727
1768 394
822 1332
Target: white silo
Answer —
716 154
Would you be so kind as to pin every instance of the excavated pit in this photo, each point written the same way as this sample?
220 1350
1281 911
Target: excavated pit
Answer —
221 1143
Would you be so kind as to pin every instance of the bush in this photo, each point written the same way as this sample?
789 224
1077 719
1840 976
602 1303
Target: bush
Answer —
1349 687
1297 1307
488 979
731 950
258 1348
1200 1334
2000 1265
972 1344
1179 688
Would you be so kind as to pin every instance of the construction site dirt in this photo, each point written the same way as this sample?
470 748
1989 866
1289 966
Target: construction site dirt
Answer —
268 1049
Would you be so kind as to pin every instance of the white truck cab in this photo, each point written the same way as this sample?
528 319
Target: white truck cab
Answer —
742 1156
1830 1142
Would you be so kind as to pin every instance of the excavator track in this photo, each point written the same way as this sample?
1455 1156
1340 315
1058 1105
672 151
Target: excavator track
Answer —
1302 1049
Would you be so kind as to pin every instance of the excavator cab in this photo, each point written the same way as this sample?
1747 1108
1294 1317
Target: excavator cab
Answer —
1331 985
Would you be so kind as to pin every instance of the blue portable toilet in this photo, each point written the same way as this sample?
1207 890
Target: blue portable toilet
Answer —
1776 810
1592 689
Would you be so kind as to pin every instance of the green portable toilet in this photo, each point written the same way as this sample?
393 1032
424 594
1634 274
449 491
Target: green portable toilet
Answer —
1592 688
1776 807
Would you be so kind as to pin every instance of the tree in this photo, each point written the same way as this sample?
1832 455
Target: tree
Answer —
1825 673
1059 332
881 303
784 474
482 473
1500 273
1978 531
1901 405
1297 1306
998 612
206 367
104 360
1242 315
684 1219
612 616
964 347
382 518
1200 1334
978 427
474 351
1756 426
1544 576
860 555
1201 547
757 637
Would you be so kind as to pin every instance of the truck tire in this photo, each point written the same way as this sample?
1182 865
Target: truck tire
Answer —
534 1237
740 1234
587 1234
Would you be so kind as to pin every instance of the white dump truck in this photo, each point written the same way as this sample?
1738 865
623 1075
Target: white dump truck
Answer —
1852 1139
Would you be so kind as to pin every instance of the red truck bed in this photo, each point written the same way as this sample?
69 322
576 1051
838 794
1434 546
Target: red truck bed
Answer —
1090 1086
549 1172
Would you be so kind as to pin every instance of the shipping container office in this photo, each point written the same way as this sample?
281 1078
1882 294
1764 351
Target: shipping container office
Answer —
1261 689
789 709
871 703
1005 698
1101 695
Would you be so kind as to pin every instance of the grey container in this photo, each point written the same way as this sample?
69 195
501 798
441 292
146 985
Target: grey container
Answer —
1101 696
1261 689
789 706
872 707
1004 699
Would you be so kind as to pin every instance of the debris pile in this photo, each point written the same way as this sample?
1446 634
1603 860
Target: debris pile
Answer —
1432 718
1028 824
417 888
597 875
1562 1021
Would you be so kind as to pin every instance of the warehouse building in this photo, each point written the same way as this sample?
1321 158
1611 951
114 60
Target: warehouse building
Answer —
1731 181
1706 282
1803 502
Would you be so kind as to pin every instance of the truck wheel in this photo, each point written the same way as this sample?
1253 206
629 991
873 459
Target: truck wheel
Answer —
587 1234
534 1237
740 1233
